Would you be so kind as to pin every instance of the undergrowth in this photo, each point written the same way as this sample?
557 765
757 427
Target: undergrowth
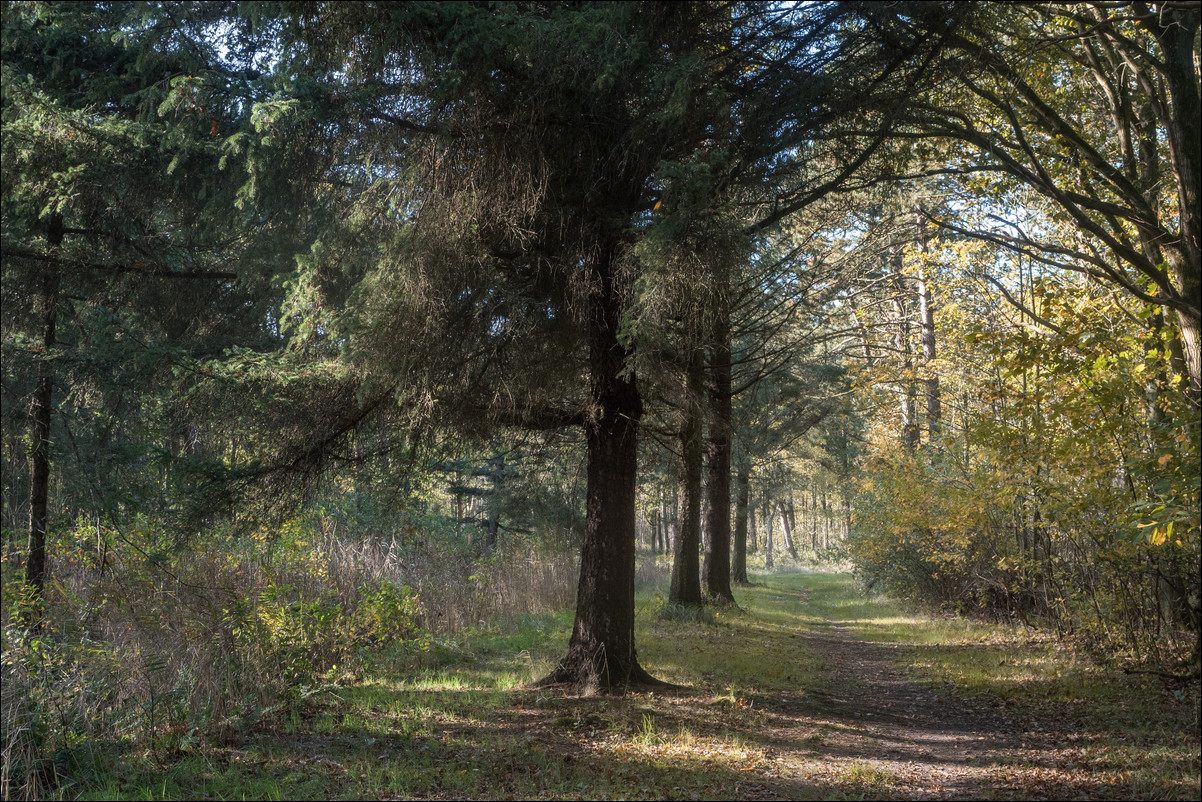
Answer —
147 688
152 646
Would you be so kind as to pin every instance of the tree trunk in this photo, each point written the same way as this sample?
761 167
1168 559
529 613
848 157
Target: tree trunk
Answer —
672 522
742 508
667 538
786 526
39 458
901 343
655 520
601 653
768 563
1189 324
926 318
751 530
846 516
826 521
1177 30
812 517
685 588
496 477
717 555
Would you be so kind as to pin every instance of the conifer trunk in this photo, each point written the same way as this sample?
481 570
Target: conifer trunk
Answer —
685 588
751 529
717 555
742 508
43 405
601 653
496 478
768 556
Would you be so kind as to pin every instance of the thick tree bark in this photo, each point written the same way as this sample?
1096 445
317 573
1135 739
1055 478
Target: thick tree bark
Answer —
685 588
601 653
742 508
717 554
43 407
1176 29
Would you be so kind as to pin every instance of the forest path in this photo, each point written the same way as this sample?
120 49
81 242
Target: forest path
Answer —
867 724
884 732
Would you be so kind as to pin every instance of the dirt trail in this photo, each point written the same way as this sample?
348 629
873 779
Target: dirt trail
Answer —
886 732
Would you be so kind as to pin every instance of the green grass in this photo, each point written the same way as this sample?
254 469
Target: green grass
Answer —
454 719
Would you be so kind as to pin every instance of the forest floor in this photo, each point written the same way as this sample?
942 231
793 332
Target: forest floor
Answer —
807 691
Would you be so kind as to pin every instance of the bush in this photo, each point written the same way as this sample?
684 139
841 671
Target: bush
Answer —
1065 546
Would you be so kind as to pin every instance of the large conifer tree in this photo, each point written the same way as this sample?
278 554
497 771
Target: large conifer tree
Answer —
500 165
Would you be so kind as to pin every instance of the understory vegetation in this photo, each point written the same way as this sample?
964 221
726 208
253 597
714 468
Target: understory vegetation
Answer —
157 647
141 715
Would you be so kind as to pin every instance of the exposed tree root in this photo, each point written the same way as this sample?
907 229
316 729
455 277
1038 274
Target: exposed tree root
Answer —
589 677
